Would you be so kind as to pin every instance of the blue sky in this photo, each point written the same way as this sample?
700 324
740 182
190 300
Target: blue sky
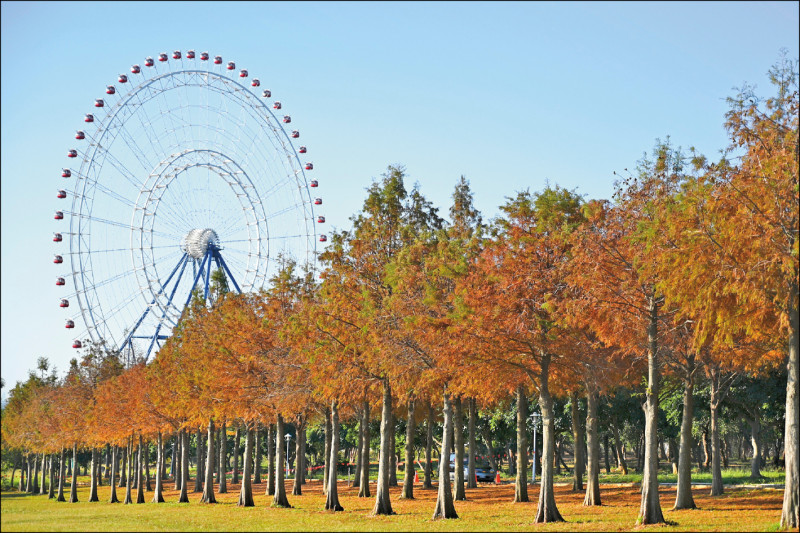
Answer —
507 94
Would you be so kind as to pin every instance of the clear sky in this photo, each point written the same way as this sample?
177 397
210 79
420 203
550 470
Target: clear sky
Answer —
507 94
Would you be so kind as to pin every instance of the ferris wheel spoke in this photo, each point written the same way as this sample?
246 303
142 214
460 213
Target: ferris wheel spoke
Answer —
117 164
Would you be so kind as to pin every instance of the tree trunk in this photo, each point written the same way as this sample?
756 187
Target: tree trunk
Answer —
73 490
408 480
427 482
235 476
158 495
198 459
547 510
383 505
619 452
146 451
363 491
93 478
472 480
139 484
129 473
35 476
359 452
458 434
332 500
605 453
42 487
578 438
706 449
51 491
223 453
521 485
184 497
176 457
297 489
716 468
650 509
444 500
257 440
684 498
593 448
790 519
272 440
393 455
487 438
60 497
280 499
246 494
328 442
211 458
112 481
23 469
173 457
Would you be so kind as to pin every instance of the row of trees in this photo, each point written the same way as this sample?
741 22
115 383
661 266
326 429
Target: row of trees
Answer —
691 269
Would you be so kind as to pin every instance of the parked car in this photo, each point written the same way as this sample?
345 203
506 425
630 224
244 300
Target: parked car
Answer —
483 470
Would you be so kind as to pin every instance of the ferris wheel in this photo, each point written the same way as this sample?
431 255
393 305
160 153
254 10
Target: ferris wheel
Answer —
185 167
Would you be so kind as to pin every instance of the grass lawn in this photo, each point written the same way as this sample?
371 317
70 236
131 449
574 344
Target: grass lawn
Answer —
489 507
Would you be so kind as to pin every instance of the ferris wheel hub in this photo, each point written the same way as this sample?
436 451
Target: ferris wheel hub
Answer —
197 241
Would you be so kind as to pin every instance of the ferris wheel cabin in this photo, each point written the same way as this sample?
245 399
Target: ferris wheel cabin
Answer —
149 62
267 93
88 118
255 82
302 150
323 238
320 219
190 54
136 69
309 166
243 73
204 56
318 201
64 303
110 89
70 324
72 153
58 260
295 134
276 105
314 183
217 60
60 281
59 216
176 54
77 344
80 135
122 78
162 57
61 194
57 237
65 173
231 65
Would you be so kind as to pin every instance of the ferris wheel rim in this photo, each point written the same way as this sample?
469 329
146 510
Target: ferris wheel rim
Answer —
82 254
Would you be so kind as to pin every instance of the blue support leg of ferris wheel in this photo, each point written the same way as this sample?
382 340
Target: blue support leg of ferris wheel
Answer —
230 276
196 278
209 255
182 261
164 314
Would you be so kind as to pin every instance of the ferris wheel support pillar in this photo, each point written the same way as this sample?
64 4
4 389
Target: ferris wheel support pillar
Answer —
164 314
182 261
219 259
